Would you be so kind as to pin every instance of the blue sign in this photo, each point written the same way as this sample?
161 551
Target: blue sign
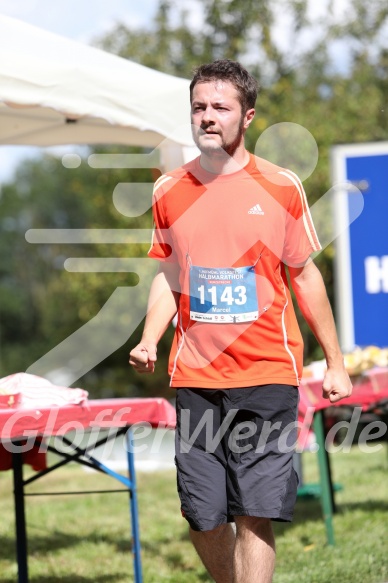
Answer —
363 252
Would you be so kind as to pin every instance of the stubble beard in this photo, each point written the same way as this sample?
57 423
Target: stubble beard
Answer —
223 150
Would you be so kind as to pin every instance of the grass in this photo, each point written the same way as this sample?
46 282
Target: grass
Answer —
85 539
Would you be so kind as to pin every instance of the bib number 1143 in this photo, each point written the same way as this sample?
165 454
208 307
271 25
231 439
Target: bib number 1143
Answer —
229 295
223 295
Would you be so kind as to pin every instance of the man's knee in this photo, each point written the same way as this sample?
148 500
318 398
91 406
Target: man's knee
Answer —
252 524
215 533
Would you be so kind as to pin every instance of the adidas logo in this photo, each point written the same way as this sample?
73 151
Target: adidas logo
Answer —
256 210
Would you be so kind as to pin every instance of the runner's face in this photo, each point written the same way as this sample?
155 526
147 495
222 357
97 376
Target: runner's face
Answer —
217 120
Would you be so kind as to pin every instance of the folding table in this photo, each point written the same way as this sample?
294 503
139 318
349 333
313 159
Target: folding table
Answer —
368 389
21 429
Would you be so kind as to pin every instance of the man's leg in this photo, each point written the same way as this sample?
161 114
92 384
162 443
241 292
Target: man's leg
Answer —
254 553
261 475
215 548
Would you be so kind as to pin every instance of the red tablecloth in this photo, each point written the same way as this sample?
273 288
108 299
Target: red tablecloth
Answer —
99 413
368 389
92 414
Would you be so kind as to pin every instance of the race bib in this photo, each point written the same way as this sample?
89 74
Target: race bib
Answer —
223 295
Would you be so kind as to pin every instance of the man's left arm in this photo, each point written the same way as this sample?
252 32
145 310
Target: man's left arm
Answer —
310 293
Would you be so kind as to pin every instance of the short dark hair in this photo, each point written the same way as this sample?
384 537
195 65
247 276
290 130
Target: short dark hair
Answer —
232 71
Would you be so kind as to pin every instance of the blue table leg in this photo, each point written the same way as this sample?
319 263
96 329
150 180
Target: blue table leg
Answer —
134 511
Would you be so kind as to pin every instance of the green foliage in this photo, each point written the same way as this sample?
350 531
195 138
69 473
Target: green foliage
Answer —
41 303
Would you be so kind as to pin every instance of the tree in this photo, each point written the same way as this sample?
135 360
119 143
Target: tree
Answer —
42 303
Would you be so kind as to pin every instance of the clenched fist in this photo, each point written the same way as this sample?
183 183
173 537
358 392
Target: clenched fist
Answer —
143 357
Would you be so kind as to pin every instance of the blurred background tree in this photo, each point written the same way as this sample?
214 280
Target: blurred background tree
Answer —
329 76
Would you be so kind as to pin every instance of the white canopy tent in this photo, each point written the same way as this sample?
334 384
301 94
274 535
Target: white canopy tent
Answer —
56 91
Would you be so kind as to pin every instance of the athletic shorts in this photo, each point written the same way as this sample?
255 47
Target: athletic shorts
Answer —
234 453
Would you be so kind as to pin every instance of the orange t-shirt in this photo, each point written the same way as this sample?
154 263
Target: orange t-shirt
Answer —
258 218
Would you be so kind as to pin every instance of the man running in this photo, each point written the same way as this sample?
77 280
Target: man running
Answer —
228 227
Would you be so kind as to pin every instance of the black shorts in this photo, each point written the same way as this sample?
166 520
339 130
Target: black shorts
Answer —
234 453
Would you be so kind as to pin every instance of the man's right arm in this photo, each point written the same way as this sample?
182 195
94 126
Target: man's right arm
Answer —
162 306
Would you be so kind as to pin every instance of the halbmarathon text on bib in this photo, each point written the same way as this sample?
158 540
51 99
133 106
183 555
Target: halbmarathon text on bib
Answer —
223 295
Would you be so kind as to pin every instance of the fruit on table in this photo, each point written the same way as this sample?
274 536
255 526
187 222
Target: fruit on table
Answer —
362 359
356 362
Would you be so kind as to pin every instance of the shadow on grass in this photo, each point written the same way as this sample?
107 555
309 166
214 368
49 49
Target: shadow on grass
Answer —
311 510
176 560
39 546
366 505
70 578
57 540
